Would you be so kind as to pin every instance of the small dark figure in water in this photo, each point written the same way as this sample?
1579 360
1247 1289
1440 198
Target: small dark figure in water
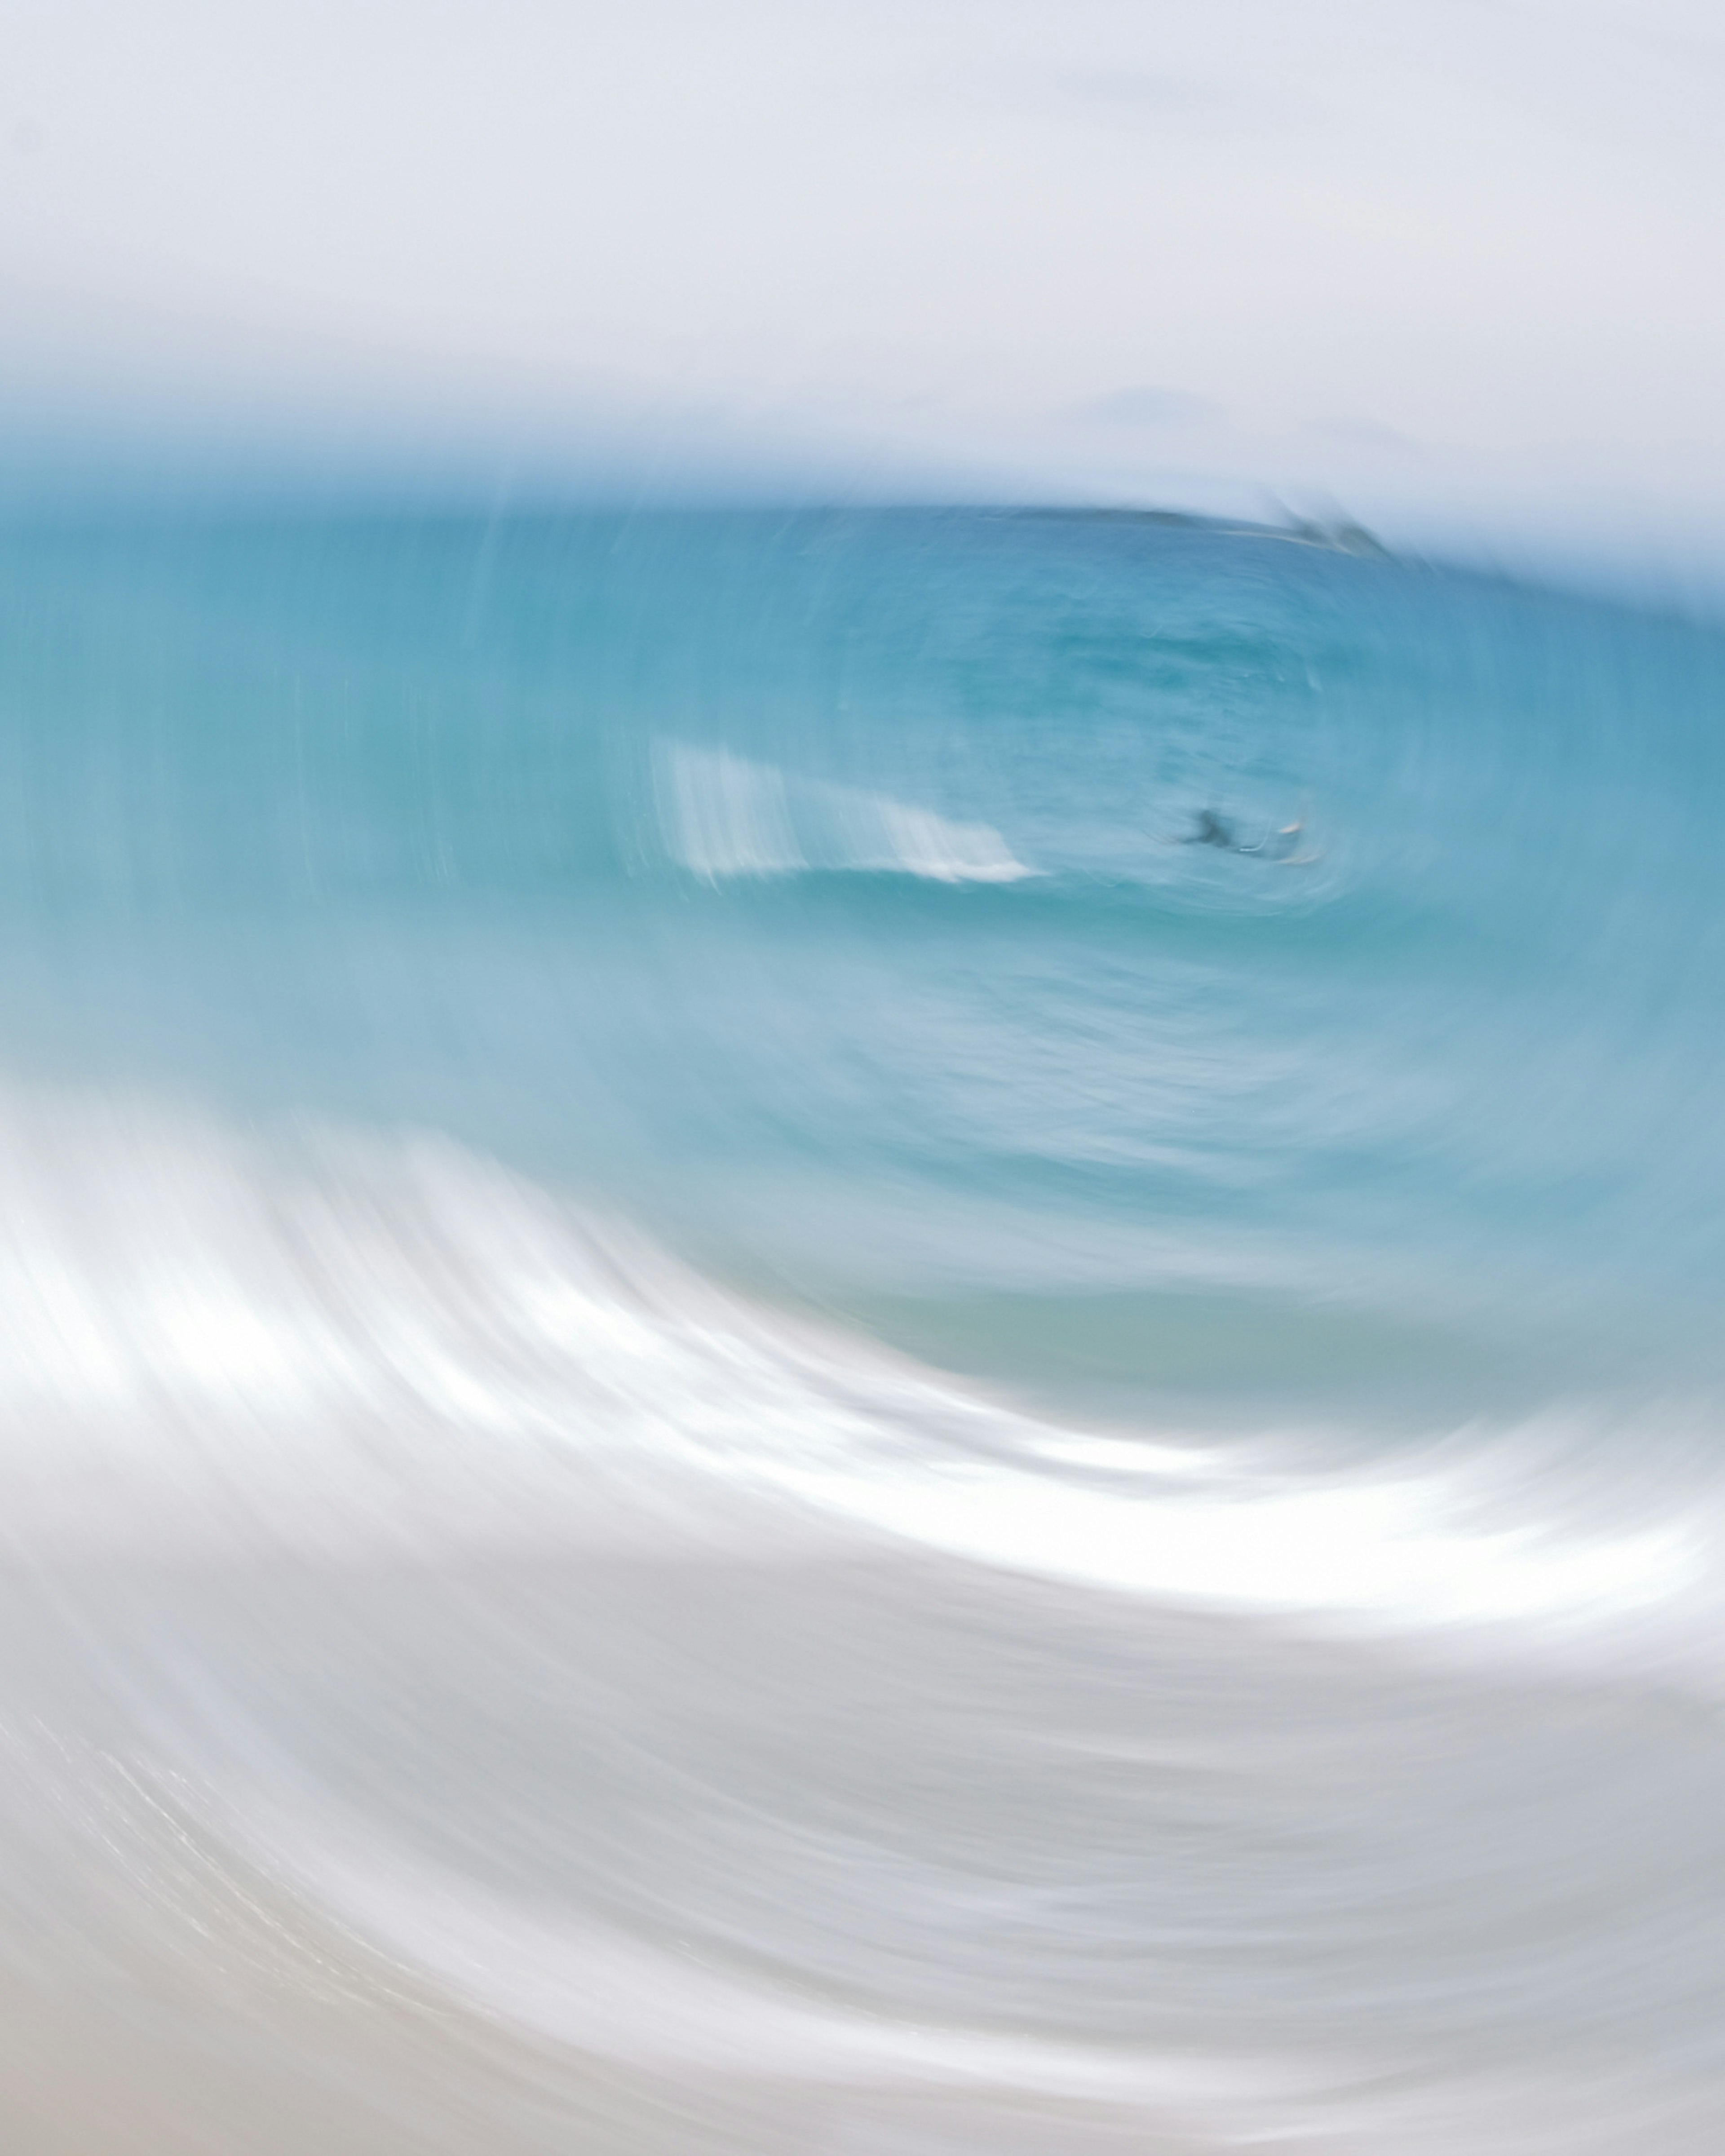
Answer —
1213 830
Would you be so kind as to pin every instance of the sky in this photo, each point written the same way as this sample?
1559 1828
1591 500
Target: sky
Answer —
1435 260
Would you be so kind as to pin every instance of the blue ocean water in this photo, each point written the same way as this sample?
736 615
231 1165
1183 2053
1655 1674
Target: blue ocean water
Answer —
908 1318
817 889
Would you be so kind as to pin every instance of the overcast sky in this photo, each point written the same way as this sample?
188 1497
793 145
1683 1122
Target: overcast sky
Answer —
1450 259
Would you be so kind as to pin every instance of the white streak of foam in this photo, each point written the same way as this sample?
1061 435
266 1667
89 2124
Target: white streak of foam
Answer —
389 1344
723 815
1393 1549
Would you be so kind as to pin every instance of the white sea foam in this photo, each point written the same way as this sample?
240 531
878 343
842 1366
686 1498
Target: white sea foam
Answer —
724 815
364 1345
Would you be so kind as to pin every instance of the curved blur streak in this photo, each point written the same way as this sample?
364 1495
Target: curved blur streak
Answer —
876 1332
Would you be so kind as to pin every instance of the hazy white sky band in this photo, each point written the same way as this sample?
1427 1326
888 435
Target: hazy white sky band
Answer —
1444 257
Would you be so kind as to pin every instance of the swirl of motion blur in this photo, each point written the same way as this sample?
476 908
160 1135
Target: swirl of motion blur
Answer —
855 1305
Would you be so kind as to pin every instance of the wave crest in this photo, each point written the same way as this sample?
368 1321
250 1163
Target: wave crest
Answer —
724 815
